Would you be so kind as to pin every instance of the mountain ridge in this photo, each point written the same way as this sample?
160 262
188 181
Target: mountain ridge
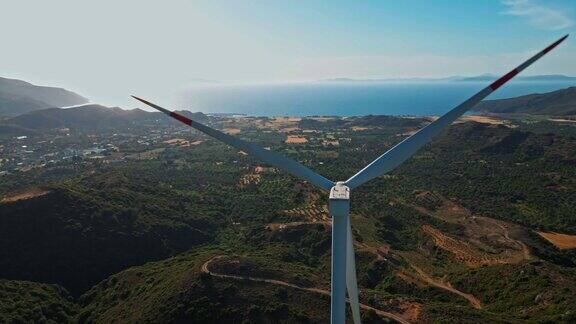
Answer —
556 103
18 97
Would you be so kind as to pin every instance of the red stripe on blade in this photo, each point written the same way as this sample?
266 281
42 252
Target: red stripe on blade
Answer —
498 83
549 48
181 118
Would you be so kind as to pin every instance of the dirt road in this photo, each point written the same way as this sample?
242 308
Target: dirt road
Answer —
206 269
475 302
525 249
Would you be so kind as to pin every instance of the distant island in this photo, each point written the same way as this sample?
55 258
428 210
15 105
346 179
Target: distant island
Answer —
478 78
545 77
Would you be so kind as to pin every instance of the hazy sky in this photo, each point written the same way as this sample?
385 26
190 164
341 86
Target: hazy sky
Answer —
106 50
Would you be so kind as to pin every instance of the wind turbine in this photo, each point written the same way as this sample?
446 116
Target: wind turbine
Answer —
343 263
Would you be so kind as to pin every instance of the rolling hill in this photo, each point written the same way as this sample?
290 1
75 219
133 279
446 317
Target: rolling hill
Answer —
555 103
75 239
89 117
18 97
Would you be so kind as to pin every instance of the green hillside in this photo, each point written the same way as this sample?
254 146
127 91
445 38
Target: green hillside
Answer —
30 302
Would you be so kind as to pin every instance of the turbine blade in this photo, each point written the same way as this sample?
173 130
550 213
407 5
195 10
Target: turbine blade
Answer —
405 149
351 281
269 157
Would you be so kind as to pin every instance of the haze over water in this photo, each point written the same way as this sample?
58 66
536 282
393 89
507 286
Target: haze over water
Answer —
348 98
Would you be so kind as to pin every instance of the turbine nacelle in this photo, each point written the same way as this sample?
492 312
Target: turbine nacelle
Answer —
340 191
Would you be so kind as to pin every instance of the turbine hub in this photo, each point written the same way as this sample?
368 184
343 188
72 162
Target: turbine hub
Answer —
340 191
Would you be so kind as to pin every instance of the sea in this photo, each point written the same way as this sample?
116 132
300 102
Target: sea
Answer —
339 98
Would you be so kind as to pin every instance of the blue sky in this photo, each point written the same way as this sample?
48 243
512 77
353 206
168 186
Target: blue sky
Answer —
107 49
381 27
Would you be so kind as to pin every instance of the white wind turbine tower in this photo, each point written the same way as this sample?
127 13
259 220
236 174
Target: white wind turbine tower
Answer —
343 264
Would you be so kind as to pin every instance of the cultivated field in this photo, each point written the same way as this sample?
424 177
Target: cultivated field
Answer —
561 241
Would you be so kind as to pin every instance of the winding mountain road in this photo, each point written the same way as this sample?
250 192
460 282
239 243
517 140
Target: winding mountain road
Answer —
206 269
